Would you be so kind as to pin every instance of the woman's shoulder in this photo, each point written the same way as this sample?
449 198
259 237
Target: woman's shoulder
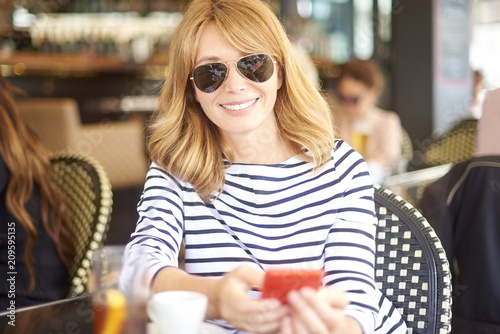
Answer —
344 156
159 178
385 119
350 167
159 175
385 115
340 146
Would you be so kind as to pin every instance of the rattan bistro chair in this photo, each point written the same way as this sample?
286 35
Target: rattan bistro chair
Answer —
86 187
411 266
455 146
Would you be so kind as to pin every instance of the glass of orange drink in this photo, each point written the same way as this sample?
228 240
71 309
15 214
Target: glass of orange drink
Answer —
109 302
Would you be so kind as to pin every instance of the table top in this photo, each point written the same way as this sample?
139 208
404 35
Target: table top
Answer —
68 316
72 315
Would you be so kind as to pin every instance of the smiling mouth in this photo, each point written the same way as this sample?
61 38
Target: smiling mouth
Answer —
236 107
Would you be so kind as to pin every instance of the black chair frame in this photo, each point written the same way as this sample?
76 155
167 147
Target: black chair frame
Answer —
411 267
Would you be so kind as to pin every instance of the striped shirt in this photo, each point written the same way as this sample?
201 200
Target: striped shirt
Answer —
281 215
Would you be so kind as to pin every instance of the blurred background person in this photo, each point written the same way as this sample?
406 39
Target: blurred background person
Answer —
372 131
33 216
462 207
434 201
478 93
488 126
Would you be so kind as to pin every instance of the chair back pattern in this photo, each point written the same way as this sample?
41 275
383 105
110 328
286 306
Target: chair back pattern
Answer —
86 187
455 146
411 266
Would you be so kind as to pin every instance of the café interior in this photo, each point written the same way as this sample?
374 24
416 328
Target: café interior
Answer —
92 71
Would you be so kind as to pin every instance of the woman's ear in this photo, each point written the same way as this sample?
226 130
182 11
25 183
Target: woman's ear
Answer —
280 77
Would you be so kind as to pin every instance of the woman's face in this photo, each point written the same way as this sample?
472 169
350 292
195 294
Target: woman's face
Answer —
355 97
239 107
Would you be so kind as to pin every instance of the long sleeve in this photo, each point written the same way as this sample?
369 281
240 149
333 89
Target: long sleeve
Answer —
156 241
350 247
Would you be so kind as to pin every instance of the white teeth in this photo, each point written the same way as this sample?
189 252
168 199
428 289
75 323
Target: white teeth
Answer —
236 107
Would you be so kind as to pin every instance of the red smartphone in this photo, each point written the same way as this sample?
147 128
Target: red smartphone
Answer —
279 282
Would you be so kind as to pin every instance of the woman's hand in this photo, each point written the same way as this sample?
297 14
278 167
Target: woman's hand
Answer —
318 312
251 315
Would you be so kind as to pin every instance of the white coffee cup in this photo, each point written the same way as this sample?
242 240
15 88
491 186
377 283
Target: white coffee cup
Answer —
177 312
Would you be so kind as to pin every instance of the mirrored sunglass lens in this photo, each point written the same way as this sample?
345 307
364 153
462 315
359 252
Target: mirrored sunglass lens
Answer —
209 77
258 68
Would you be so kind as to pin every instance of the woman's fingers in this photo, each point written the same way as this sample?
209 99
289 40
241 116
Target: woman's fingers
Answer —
260 316
317 312
252 315
286 325
305 318
300 327
328 304
249 275
336 298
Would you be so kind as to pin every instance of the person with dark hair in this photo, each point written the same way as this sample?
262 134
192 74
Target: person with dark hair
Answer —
372 131
462 207
35 240
248 175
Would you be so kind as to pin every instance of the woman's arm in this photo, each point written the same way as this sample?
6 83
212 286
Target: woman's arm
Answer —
228 297
172 278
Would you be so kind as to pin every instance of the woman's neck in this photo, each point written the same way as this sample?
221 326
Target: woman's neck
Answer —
262 148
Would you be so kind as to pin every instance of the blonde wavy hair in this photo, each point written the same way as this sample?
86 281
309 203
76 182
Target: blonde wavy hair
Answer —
186 143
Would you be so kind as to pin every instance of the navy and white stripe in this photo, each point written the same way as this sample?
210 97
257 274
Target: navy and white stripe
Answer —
280 215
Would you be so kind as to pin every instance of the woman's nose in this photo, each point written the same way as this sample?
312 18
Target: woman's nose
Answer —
234 81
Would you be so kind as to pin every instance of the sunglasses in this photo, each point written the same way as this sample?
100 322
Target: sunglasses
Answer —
349 99
257 68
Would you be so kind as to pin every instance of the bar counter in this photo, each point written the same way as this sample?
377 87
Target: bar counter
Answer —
80 63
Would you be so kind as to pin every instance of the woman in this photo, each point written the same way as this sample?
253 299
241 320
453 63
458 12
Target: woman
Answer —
35 242
247 174
373 132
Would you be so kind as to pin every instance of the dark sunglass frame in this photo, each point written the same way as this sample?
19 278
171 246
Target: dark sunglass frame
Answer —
215 74
349 99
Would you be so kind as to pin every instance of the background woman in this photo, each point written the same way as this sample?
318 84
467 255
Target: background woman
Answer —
372 131
32 215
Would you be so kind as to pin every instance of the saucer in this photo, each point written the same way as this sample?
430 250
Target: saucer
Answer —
206 328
